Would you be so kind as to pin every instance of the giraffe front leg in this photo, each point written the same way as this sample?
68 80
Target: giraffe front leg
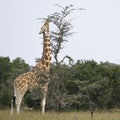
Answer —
43 104
18 103
44 94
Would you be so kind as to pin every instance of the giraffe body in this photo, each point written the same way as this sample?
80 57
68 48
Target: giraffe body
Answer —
36 78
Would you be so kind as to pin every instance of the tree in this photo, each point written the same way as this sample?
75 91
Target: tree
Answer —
19 66
60 36
5 68
8 72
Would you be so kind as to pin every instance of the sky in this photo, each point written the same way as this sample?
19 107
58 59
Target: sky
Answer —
96 37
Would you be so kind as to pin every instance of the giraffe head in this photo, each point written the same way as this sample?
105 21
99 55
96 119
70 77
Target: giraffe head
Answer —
45 27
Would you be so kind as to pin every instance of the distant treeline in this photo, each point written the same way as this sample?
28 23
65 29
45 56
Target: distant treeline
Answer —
83 85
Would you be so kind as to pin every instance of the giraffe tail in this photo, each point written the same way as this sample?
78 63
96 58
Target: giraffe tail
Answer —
13 102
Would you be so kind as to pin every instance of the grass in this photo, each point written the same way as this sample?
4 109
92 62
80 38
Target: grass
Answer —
35 115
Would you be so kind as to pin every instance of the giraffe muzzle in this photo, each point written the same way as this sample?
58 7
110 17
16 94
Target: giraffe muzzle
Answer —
40 32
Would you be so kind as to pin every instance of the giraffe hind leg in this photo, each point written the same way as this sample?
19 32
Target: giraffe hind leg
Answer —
18 101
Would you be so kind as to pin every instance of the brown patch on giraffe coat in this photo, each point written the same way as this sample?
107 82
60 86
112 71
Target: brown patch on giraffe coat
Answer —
22 86
46 50
44 68
43 62
50 58
47 64
46 39
45 45
48 44
46 57
23 82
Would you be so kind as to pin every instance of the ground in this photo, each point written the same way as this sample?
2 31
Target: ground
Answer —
37 115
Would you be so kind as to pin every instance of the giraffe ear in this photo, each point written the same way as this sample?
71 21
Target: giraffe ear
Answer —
41 31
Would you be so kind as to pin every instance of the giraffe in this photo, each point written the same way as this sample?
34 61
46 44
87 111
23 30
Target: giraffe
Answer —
36 78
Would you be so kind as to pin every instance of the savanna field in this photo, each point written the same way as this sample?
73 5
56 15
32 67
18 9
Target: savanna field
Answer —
36 115
76 89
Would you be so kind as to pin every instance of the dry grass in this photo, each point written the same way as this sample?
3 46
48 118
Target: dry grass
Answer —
35 115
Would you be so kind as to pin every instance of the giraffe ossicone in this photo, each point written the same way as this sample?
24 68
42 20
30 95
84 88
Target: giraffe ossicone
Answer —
36 78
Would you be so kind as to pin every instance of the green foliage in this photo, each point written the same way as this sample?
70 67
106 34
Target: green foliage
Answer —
19 66
72 87
4 70
8 72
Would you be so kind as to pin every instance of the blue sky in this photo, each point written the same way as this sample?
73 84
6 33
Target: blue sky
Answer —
96 29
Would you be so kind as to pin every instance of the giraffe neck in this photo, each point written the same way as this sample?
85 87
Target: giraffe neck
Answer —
44 63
